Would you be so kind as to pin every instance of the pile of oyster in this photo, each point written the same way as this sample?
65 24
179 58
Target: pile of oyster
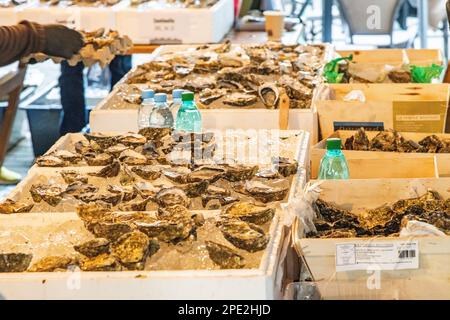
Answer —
394 75
100 46
393 141
238 76
387 220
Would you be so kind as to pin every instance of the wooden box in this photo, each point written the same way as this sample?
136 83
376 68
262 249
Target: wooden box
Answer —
430 281
379 164
403 107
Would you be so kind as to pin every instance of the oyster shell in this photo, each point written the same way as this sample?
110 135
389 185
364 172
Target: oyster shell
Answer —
238 99
195 189
111 170
207 96
78 188
269 94
134 206
128 192
10 206
82 147
68 156
431 144
132 157
295 89
102 262
52 263
71 176
107 227
111 198
168 197
224 256
214 190
103 140
359 141
400 76
116 150
249 212
173 228
386 141
93 248
155 134
209 174
132 249
93 211
177 174
132 139
51 194
146 189
50 161
102 159
268 174
286 167
126 176
238 172
147 172
244 235
14 262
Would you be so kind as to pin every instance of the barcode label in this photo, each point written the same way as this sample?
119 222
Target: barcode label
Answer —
404 254
382 255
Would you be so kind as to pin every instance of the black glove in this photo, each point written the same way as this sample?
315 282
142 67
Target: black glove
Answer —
61 41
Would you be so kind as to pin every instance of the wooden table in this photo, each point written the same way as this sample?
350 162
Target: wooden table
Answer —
238 37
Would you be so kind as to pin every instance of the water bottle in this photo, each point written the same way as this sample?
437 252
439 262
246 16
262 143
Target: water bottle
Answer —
161 117
333 164
145 108
176 101
188 117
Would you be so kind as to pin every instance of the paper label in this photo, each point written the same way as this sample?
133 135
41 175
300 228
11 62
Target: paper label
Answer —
383 255
419 116
168 30
351 125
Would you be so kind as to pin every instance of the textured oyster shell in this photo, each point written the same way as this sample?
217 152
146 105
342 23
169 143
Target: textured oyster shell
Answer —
244 235
71 176
52 263
50 161
238 99
249 212
51 194
14 262
286 167
93 248
101 159
147 172
238 172
10 206
102 262
224 256
171 196
111 170
132 157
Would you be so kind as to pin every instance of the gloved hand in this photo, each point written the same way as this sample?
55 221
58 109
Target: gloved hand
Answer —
61 41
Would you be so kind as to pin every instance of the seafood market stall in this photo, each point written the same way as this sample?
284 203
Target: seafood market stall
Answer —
237 86
387 213
102 211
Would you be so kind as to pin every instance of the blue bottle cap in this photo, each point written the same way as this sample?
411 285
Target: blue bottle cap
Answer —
147 94
176 93
160 97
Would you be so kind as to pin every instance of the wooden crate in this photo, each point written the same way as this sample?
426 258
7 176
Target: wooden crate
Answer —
404 107
396 57
379 164
430 281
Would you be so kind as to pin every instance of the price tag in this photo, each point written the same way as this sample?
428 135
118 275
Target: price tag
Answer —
384 255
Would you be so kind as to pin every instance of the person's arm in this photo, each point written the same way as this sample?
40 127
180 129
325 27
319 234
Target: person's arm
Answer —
20 40
26 38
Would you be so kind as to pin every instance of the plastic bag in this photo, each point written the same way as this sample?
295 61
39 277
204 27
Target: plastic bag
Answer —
419 228
355 95
302 207
426 74
331 70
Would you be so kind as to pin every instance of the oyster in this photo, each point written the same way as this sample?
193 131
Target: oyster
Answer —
102 262
214 202
181 136
268 174
431 144
102 159
176 210
147 172
177 174
295 89
132 139
243 235
50 161
261 191
195 189
14 262
83 147
132 157
386 141
249 212
68 156
207 96
173 228
93 211
116 150
78 188
111 198
237 172
269 94
285 166
132 249
111 170
224 256
146 189
93 248
52 263
337 217
400 76
103 140
10 206
51 194
126 176
155 134
128 192
238 99
359 141
209 174
134 206
107 227
168 197
71 176
214 190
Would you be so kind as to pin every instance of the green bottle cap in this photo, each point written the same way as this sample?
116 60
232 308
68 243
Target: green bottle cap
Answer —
334 144
187 96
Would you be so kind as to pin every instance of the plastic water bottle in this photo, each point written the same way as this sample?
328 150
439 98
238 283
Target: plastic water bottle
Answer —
333 164
176 101
188 116
161 117
145 108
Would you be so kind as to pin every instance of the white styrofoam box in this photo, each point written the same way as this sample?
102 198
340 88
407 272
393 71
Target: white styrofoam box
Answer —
147 24
80 17
11 16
